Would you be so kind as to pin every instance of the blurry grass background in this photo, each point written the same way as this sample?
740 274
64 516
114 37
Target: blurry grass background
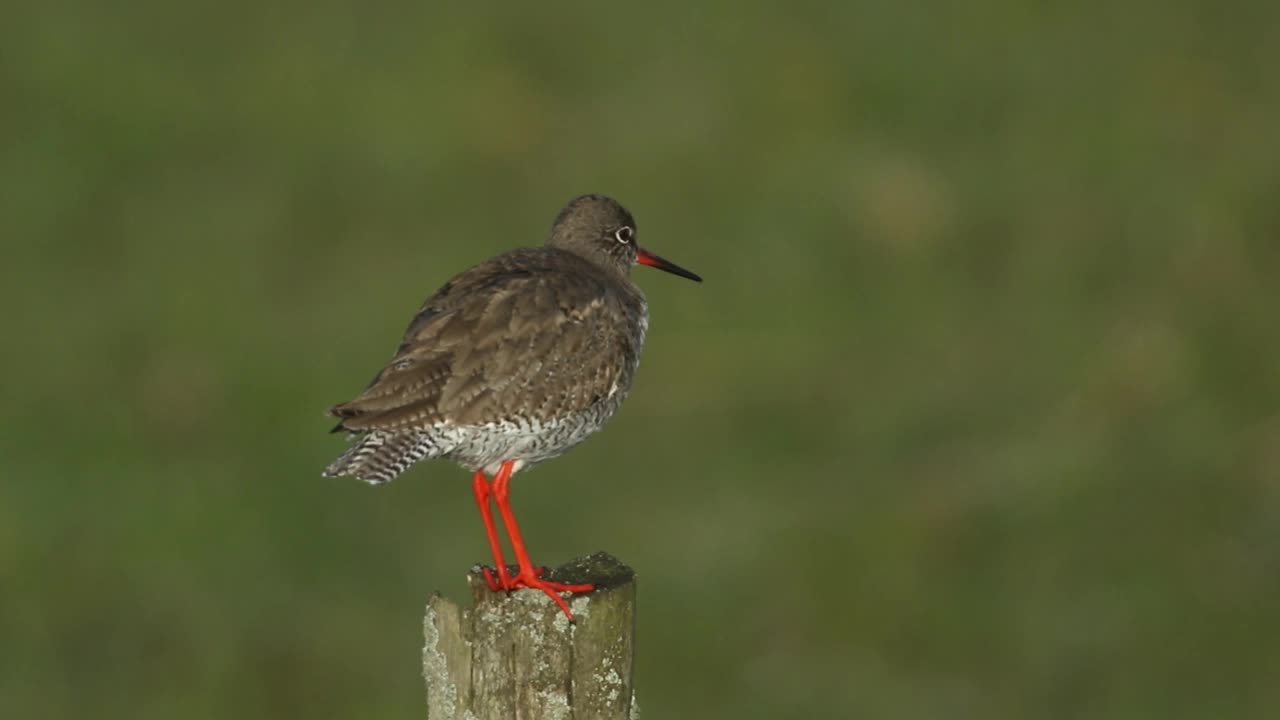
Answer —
976 416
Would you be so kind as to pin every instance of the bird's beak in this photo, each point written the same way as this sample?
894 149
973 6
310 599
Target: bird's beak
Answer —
644 257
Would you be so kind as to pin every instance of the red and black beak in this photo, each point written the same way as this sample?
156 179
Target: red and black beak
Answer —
644 257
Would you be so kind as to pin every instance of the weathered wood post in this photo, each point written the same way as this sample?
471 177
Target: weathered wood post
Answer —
516 656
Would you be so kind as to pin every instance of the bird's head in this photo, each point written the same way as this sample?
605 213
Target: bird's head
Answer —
600 229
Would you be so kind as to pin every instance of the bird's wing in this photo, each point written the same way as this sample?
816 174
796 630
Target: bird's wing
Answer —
514 335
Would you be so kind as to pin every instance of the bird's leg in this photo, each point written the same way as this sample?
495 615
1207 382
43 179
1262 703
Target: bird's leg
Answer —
527 575
480 486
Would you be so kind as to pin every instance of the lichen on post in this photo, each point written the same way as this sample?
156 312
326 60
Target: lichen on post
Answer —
516 655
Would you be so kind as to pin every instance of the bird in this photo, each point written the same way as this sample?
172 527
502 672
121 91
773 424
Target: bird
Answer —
509 364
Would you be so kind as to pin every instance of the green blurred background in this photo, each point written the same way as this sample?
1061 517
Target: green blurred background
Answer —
976 415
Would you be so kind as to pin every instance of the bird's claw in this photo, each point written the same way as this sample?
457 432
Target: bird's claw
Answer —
504 580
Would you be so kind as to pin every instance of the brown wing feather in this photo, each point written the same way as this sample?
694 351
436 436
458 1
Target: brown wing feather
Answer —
526 332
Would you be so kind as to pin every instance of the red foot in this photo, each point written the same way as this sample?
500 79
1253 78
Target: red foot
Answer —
535 582
499 580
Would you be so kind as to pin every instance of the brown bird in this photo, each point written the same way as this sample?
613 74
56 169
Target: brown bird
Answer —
509 364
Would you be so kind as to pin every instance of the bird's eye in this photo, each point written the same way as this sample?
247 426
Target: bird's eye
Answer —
624 234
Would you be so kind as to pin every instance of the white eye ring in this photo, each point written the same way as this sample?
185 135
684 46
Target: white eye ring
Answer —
624 234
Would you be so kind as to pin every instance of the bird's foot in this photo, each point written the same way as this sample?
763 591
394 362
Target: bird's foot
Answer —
504 580
503 577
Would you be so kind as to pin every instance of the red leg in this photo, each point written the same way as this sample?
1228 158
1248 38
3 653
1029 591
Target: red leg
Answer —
528 576
480 486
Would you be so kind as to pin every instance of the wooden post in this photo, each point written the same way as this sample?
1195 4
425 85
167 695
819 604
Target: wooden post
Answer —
515 655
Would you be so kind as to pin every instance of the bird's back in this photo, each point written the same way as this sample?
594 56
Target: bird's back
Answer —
517 358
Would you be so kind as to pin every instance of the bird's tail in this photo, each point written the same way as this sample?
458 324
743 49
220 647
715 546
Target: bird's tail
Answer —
378 457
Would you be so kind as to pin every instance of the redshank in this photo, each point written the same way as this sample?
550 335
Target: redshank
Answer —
509 364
